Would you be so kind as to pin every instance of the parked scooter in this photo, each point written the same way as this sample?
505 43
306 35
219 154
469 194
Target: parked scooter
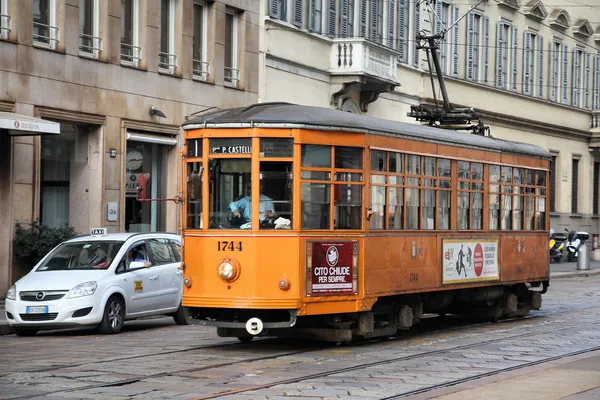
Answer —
557 245
574 243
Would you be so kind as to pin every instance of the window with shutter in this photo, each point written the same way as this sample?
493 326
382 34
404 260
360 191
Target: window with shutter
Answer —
444 42
403 30
373 20
417 29
576 77
500 55
565 74
278 9
347 18
540 67
332 17
514 59
363 18
316 15
455 42
391 21
597 82
470 46
554 69
527 64
297 10
575 186
586 80
486 48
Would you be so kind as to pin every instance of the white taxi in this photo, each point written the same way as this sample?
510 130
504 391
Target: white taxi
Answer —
100 279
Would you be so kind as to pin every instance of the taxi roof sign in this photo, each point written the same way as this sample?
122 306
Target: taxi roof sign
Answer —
98 231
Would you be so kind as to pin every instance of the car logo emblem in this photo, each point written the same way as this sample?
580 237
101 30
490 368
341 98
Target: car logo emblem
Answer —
40 296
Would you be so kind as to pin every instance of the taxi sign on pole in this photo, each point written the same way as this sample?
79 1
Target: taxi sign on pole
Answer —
98 231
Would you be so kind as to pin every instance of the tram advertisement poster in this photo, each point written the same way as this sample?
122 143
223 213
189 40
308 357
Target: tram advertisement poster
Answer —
332 268
469 260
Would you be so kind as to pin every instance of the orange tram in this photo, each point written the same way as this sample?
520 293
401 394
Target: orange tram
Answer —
362 224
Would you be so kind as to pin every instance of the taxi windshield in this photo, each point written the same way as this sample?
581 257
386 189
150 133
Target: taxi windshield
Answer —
81 256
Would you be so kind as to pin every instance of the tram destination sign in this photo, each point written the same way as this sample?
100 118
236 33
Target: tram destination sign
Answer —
332 269
469 260
231 146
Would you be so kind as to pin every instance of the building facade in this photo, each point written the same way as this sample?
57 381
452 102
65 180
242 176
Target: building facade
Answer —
119 77
531 70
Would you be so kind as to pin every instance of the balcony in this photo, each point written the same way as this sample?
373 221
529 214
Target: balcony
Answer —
594 144
361 64
5 25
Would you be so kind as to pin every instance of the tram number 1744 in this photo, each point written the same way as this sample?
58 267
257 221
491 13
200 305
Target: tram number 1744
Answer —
224 245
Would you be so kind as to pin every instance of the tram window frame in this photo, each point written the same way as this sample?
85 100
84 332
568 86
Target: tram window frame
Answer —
194 195
470 192
331 171
428 178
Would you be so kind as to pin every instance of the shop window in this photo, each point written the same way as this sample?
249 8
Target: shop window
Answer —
64 160
146 167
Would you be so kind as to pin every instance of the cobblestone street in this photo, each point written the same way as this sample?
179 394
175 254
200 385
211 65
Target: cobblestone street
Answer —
156 359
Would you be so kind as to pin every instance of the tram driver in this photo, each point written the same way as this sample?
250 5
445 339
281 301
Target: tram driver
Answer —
243 207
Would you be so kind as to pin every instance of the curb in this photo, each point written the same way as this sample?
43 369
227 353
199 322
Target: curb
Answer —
562 275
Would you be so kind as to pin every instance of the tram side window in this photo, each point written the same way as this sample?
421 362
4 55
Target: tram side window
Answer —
429 214
507 210
194 195
540 192
396 192
348 196
444 193
275 195
316 187
529 199
229 206
518 202
378 209
470 195
494 178
413 167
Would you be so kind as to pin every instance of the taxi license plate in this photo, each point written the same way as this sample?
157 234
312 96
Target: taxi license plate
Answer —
37 310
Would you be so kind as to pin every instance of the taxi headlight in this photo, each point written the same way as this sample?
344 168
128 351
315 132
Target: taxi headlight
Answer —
227 270
83 289
12 293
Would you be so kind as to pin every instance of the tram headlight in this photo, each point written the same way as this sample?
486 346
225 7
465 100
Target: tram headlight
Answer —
227 270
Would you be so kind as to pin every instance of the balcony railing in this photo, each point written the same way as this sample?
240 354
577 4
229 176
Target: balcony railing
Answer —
45 34
595 120
232 76
201 69
167 61
5 25
130 54
355 56
90 44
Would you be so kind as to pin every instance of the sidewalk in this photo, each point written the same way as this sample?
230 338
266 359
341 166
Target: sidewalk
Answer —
557 271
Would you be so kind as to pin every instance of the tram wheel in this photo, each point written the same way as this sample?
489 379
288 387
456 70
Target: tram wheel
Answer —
245 339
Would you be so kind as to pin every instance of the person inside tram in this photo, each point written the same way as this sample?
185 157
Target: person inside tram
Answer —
243 207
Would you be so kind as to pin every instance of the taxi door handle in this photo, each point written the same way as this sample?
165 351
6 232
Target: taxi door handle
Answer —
154 277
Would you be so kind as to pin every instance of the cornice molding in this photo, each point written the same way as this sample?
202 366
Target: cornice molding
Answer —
535 9
560 18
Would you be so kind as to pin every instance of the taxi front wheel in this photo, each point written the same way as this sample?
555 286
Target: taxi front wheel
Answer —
180 317
114 316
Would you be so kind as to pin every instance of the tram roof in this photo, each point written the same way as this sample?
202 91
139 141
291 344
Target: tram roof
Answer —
287 115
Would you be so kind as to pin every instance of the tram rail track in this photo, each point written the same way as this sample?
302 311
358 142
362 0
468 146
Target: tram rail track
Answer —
417 332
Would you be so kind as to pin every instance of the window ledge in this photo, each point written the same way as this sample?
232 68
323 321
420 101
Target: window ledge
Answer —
225 85
41 46
199 79
595 216
8 40
127 65
577 215
171 74
554 214
92 57
294 28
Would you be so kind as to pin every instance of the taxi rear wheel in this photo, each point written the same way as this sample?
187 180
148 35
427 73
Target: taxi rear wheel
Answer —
114 316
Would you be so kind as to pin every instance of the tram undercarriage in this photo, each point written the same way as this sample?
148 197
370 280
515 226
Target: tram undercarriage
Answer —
388 316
